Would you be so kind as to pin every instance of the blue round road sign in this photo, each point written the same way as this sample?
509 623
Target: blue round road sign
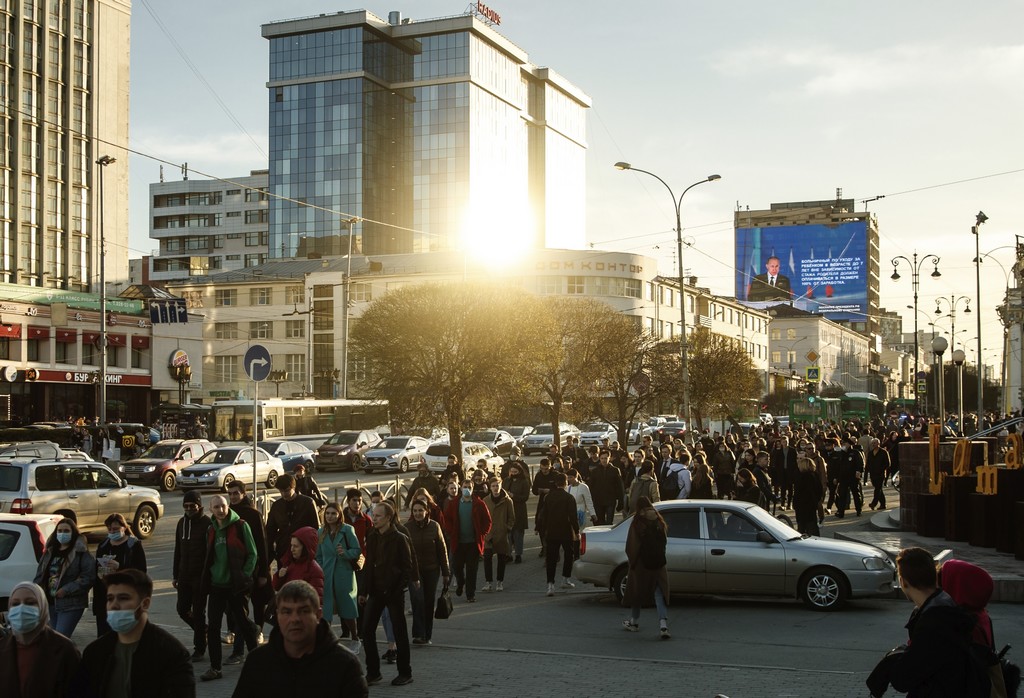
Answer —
257 362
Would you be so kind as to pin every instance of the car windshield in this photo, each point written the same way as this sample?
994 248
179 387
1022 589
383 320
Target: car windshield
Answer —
543 429
161 452
221 455
394 442
10 478
595 426
673 425
439 450
514 431
484 436
346 438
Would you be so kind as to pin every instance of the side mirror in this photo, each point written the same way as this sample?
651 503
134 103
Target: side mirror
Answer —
764 537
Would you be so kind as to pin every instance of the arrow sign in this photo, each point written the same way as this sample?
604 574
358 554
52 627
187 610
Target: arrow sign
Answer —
257 363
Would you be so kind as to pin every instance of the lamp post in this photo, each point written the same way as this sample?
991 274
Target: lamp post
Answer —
683 346
102 413
975 230
951 302
915 283
345 310
939 346
958 360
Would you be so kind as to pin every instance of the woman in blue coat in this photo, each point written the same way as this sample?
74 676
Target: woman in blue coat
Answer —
338 550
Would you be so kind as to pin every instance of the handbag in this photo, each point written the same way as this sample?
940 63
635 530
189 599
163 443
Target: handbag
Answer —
443 610
357 564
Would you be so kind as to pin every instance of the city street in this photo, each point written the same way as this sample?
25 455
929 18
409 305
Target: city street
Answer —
520 642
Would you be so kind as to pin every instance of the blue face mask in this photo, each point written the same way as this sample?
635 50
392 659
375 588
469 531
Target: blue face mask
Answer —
23 618
115 535
122 621
466 491
63 537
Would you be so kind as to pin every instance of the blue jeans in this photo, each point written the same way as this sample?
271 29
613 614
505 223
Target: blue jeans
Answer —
517 541
65 622
659 601
389 630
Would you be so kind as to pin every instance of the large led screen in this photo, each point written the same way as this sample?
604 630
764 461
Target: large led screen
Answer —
821 269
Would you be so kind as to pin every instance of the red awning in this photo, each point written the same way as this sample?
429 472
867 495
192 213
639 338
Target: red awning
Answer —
140 341
90 337
117 340
67 336
10 331
35 332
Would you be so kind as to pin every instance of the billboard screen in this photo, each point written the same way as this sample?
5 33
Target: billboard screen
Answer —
821 269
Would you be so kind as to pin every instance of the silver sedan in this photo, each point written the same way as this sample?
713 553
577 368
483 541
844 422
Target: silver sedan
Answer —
738 549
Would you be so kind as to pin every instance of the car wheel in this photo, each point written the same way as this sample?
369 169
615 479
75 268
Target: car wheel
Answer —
404 465
823 589
169 481
272 479
228 479
619 579
145 522
310 467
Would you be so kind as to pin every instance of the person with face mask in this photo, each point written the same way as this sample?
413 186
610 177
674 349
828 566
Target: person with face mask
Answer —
35 660
66 572
138 658
119 551
187 568
467 522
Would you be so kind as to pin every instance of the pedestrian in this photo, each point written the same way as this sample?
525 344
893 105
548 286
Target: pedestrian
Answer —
356 517
300 562
937 659
424 480
807 495
878 470
701 482
231 560
562 531
431 555
35 659
645 485
262 591
606 488
339 555
389 571
543 483
479 478
453 471
66 572
120 550
747 489
450 492
848 481
723 464
305 484
303 656
496 540
187 569
467 521
580 491
645 550
138 658
518 487
287 515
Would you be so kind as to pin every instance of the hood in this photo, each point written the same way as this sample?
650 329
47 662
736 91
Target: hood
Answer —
309 539
969 585
147 461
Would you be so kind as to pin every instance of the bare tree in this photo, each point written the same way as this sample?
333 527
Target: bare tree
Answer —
722 376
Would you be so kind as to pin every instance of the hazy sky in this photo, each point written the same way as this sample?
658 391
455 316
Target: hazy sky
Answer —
920 101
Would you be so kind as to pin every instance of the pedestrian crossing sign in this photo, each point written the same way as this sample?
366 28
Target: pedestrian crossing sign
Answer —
813 374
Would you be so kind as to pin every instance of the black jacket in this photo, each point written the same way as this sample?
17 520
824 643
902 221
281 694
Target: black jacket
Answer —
129 555
560 519
389 563
606 485
249 514
330 670
307 485
287 517
161 666
52 674
190 548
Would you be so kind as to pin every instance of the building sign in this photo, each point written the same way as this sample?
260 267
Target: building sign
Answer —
73 299
486 13
170 310
79 377
178 358
582 266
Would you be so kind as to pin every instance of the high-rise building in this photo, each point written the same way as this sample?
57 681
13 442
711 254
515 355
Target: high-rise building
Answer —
433 134
64 92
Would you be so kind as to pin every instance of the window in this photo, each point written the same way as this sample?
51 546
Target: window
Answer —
295 364
776 334
361 293
550 285
233 257
60 352
791 333
295 329
225 368
233 192
258 216
791 357
254 260
257 238
32 349
252 195
776 357
632 288
577 285
297 294
137 358
225 330
683 523
730 526
261 330
234 214
259 296
357 371
225 298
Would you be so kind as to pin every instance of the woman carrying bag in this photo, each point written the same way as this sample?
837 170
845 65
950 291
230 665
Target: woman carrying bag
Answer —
431 555
340 555
645 550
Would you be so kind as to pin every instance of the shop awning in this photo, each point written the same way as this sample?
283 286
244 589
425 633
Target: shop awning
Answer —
67 336
140 341
35 332
10 331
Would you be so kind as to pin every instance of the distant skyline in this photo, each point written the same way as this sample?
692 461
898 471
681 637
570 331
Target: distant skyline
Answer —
787 101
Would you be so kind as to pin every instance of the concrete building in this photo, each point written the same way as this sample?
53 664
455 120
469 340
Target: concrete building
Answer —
840 353
206 226
65 77
402 136
296 308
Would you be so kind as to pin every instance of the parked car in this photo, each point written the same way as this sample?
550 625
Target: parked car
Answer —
519 433
396 453
594 433
670 430
728 548
345 449
159 465
224 465
437 456
500 442
291 453
22 541
638 430
542 438
83 490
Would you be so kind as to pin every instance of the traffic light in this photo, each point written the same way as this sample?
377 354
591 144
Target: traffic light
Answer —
812 389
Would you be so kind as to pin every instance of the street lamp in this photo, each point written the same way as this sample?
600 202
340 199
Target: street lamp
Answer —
915 283
979 219
683 347
958 360
103 162
951 302
939 346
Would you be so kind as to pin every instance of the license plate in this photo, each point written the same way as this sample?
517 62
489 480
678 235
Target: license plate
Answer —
376 461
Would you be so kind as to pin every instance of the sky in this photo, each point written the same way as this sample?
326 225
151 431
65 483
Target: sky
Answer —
919 101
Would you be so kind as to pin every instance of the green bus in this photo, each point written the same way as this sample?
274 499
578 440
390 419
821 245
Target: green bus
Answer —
813 409
863 406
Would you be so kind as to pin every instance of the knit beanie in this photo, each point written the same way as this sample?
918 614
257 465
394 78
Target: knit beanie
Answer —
192 497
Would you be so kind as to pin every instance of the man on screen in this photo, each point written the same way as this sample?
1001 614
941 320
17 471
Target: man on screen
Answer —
770 286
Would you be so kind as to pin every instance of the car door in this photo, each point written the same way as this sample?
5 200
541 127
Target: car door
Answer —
262 465
737 563
685 550
111 497
81 495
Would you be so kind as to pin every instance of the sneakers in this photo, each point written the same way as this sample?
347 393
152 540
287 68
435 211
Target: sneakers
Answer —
420 641
459 589
376 678
228 639
401 680
500 587
391 656
211 674
198 655
629 626
486 587
235 658
471 599
551 589
665 634
518 560
567 583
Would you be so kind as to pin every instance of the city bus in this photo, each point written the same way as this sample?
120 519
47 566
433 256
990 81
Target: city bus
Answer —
297 419
813 410
863 406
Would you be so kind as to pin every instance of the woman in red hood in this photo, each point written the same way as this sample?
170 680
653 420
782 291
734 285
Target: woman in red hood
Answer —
300 562
971 588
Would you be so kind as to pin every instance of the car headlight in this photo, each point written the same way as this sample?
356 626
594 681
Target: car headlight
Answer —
149 469
875 563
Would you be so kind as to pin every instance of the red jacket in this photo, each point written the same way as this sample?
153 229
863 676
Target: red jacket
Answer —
305 568
481 521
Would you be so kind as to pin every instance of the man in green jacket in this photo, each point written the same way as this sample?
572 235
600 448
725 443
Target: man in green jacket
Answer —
230 562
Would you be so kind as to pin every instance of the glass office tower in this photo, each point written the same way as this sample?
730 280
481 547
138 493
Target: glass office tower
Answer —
432 133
